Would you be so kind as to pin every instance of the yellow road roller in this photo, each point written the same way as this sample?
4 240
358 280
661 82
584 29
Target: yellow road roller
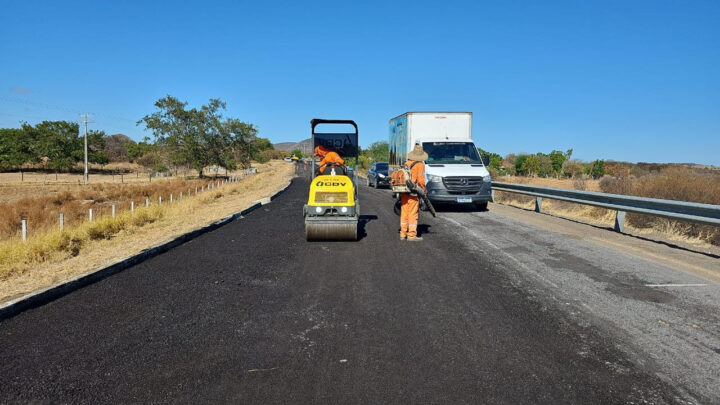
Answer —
332 210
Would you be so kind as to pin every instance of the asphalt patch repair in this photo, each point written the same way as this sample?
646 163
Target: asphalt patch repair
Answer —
251 312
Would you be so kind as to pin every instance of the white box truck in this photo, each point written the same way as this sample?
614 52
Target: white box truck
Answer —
454 171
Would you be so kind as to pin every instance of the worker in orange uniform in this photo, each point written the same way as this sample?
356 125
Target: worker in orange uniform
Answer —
329 158
410 201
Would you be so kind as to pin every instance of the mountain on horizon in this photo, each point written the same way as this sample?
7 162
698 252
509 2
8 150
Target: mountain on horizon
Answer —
305 146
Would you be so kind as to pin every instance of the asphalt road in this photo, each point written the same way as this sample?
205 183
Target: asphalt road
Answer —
252 313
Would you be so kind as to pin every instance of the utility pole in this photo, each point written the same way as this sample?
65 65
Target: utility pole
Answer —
85 122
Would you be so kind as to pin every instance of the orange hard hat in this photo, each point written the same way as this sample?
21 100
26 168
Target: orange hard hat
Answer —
321 151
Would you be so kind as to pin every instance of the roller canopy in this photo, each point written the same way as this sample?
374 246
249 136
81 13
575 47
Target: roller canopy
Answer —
344 143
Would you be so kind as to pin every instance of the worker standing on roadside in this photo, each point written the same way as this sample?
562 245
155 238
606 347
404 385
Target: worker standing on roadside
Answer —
410 201
329 158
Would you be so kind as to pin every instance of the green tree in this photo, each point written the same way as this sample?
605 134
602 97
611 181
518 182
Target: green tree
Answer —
531 165
196 137
558 159
136 150
96 148
598 169
260 148
55 142
243 139
14 147
495 159
520 166
378 151
298 153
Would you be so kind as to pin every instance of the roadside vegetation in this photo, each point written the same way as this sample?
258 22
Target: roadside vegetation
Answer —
52 255
681 182
183 138
40 178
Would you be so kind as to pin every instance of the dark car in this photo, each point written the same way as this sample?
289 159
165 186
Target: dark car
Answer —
378 175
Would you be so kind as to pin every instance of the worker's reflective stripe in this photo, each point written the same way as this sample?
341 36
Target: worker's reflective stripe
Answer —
413 225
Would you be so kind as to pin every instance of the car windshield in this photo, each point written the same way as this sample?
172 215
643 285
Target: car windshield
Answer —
381 167
451 152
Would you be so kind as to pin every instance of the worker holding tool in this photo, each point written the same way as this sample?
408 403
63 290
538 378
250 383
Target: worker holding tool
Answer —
410 202
329 158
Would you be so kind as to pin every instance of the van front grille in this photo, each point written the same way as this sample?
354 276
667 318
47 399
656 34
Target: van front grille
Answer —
463 185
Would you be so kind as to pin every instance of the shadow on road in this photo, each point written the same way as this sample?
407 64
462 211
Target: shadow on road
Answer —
364 219
457 208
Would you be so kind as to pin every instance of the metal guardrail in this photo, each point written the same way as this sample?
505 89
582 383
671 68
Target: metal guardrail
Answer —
680 210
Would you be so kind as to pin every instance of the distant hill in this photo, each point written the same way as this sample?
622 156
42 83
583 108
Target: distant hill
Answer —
305 146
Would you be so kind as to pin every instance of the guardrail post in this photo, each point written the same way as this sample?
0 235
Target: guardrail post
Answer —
62 221
113 210
195 191
147 201
538 204
620 221
159 200
492 195
90 215
132 206
171 198
24 230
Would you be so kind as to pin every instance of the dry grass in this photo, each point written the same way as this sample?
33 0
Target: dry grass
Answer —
52 256
588 184
41 205
673 183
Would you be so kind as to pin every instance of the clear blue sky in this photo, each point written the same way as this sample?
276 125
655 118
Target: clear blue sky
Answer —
625 80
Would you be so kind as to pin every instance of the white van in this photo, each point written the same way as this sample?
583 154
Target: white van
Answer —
454 171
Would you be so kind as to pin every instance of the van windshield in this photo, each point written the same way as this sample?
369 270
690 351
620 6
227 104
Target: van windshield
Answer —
451 152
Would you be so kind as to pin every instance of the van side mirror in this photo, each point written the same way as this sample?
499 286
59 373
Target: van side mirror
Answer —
486 160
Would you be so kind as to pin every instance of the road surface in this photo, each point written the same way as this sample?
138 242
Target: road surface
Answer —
486 309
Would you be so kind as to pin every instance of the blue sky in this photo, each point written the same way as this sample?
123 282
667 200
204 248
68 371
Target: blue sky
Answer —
627 80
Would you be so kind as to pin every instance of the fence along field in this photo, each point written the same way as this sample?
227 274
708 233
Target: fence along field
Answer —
52 255
41 205
39 228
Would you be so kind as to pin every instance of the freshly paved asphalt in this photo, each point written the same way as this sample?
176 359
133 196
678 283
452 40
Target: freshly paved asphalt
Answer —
252 313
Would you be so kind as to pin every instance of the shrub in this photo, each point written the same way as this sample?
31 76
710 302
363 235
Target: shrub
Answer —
598 169
617 185
580 183
572 168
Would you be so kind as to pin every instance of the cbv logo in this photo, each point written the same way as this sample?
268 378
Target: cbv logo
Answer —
329 184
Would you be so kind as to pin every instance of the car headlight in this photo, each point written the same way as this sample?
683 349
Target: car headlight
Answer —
343 210
486 179
382 176
318 209
434 179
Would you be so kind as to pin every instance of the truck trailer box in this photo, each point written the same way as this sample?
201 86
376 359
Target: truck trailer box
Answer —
454 171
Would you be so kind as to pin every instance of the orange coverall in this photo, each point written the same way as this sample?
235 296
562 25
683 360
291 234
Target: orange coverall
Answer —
330 157
411 204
